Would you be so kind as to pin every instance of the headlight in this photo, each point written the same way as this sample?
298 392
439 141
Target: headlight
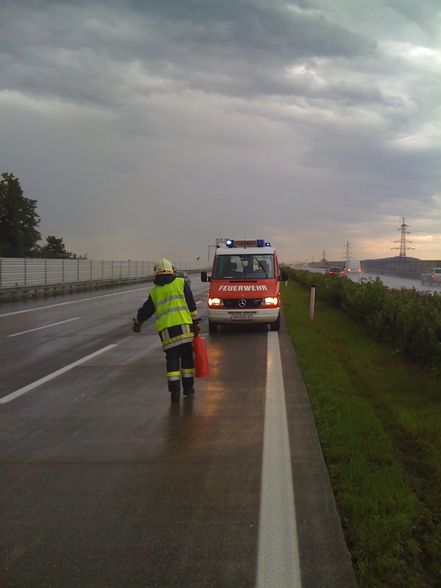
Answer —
215 302
271 301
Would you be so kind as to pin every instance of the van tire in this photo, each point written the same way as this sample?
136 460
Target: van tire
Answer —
275 326
212 328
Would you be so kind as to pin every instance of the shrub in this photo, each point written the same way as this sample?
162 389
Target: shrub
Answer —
408 319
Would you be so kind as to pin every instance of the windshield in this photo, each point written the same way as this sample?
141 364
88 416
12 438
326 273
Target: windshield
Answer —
244 267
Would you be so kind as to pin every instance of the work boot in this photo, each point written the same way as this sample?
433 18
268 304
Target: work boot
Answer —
175 396
188 392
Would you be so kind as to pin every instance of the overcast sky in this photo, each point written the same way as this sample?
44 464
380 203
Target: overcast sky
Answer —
148 128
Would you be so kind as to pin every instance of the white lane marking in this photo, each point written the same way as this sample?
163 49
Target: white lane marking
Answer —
45 327
199 302
70 302
278 562
53 375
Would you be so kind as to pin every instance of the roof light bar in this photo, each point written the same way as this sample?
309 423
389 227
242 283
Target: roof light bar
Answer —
230 243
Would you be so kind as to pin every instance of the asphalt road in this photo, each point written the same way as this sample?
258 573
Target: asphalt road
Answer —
103 482
389 281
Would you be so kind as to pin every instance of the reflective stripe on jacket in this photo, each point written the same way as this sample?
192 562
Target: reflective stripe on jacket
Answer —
174 336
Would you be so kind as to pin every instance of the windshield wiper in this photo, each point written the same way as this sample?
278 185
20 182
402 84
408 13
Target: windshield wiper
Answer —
262 266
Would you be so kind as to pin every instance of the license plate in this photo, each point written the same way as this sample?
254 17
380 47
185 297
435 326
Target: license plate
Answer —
242 316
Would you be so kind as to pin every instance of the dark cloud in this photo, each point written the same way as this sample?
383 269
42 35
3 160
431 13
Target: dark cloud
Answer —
77 50
246 115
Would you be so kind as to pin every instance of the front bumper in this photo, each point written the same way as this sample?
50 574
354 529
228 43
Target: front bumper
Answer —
235 315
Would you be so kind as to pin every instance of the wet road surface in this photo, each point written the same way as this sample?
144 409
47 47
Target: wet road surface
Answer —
389 281
105 483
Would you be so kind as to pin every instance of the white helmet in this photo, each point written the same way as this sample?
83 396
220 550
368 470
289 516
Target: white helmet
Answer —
163 266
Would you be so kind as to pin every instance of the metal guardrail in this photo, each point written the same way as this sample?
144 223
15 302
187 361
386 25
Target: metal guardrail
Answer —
22 277
21 272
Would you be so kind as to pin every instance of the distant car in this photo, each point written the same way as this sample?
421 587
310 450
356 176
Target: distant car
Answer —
432 277
335 271
182 274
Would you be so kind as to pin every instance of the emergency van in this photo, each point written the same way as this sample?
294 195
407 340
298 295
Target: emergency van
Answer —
244 284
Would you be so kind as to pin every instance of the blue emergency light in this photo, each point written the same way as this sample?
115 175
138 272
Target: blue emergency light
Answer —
229 243
260 242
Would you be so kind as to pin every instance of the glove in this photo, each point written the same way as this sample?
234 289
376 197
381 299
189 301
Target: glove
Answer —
196 329
136 327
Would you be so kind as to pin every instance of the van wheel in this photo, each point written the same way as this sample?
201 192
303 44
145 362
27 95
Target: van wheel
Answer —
276 325
212 328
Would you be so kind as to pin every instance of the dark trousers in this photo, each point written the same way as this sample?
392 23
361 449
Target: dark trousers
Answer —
180 366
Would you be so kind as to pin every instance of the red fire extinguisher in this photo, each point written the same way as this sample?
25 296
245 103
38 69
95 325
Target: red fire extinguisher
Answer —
200 357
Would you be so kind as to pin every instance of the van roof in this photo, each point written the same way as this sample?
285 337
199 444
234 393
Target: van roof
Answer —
244 250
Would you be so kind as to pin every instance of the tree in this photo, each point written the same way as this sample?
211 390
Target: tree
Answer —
18 225
55 249
18 220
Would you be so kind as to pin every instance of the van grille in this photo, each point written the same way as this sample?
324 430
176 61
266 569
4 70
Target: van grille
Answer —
234 302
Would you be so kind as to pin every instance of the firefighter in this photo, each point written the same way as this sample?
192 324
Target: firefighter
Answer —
177 322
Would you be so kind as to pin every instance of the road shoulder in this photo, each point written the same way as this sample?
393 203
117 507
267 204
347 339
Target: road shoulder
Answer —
324 557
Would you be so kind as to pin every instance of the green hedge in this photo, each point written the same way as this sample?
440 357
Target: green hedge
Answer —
408 319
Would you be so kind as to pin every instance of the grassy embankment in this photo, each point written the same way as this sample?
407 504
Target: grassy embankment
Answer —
379 422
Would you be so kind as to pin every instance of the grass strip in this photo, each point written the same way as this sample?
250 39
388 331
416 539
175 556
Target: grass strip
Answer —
378 420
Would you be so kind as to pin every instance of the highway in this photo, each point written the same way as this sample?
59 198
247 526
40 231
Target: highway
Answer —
389 281
104 482
398 282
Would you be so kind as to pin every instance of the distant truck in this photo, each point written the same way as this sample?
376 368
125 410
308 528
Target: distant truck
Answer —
353 266
432 277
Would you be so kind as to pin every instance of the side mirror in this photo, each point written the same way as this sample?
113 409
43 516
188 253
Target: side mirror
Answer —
283 276
204 277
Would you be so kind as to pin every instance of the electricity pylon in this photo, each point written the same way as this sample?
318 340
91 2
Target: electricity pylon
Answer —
403 241
348 252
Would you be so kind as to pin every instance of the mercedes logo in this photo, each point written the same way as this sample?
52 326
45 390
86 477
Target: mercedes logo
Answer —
242 302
